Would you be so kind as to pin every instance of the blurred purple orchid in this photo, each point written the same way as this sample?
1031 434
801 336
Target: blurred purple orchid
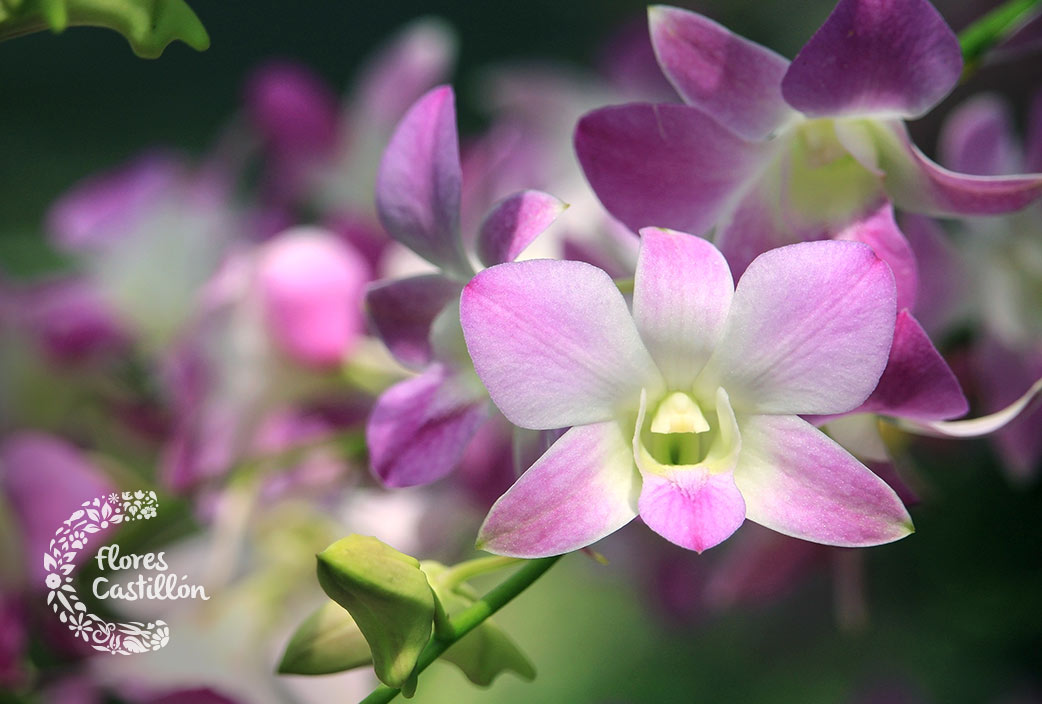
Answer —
768 152
419 428
687 411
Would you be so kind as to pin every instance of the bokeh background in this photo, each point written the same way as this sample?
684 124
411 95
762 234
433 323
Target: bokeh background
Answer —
951 614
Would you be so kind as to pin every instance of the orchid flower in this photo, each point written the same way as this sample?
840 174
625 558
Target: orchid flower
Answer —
419 428
686 411
768 152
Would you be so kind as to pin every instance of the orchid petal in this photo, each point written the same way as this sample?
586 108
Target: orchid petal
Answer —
583 488
858 433
310 285
681 295
809 330
880 232
974 427
554 343
514 223
917 383
418 185
897 58
663 165
420 427
734 80
1002 372
917 184
401 313
942 293
977 138
293 109
797 481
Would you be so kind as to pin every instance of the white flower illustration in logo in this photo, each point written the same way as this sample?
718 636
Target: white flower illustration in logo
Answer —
59 561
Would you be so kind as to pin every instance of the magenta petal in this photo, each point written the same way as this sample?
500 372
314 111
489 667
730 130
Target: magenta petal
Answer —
293 109
311 288
416 59
917 382
809 330
797 481
916 183
420 427
880 232
514 223
554 343
732 79
45 480
418 185
977 138
663 165
583 488
681 297
401 313
691 507
892 57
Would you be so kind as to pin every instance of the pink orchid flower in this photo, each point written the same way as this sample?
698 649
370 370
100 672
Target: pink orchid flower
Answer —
768 152
686 412
420 427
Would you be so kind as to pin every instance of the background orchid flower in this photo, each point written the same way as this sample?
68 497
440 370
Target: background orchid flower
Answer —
768 152
686 411
419 428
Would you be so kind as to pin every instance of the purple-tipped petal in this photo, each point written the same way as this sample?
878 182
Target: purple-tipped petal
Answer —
418 58
420 427
311 287
917 382
977 138
917 184
809 330
514 223
418 185
732 79
871 57
691 507
401 313
584 488
879 231
45 480
554 343
681 297
797 481
664 165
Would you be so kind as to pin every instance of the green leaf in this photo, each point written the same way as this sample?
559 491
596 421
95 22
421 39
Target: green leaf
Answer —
389 598
486 651
148 25
327 641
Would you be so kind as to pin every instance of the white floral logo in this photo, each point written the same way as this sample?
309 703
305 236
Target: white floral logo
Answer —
69 541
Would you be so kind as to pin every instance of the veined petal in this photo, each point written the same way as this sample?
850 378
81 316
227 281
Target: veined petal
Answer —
728 77
797 481
917 184
513 223
917 383
418 185
872 57
420 427
664 165
809 330
975 427
977 138
879 231
583 488
681 295
554 343
401 313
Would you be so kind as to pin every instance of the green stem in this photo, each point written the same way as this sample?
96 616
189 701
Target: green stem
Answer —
470 618
465 571
992 28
